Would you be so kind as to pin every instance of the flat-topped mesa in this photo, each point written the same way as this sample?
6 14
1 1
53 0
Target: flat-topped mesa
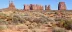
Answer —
26 7
36 7
47 7
61 6
11 6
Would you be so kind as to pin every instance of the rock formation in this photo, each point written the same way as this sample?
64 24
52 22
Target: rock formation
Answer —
11 5
26 7
39 7
47 7
61 6
36 7
33 7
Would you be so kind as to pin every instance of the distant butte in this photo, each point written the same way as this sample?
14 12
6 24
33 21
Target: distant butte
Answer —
61 6
11 5
47 7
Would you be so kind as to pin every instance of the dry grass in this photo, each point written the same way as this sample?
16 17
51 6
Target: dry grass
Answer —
16 21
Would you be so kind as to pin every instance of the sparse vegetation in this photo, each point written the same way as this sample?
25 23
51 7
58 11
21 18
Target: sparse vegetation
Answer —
57 29
65 23
33 21
2 27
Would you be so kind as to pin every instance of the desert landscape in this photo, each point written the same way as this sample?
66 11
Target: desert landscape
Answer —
33 18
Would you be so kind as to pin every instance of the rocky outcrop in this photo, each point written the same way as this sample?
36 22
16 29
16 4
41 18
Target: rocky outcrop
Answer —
33 7
11 6
40 7
61 6
36 7
47 7
26 7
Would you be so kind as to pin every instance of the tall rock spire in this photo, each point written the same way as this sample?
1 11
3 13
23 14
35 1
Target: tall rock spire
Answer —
61 6
11 5
47 7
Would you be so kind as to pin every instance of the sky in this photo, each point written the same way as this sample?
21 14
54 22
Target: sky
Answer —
53 3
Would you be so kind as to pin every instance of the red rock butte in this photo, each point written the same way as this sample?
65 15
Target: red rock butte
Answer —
61 6
11 5
33 7
26 7
47 7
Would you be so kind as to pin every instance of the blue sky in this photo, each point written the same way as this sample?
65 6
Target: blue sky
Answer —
19 3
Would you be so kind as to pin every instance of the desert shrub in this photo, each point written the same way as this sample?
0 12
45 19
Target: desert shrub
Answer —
66 24
30 27
28 18
40 20
2 22
57 29
61 22
33 31
16 19
36 20
4 15
2 27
